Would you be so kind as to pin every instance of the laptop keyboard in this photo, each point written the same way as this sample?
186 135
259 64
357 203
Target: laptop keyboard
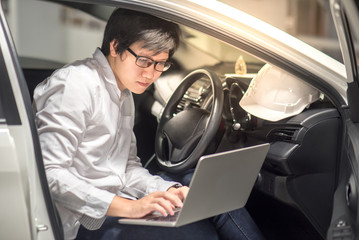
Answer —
168 218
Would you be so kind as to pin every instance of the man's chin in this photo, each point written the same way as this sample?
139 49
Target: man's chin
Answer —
138 91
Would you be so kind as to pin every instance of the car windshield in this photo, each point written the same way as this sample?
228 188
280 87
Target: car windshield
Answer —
307 20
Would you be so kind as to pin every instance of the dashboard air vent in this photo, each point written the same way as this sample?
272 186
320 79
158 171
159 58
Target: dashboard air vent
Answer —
284 134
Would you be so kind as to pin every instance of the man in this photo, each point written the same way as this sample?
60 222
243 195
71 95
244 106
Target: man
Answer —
85 117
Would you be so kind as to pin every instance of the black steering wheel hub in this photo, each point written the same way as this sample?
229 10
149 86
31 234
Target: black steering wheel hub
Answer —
183 137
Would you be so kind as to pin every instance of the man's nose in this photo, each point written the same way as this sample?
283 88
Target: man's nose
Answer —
149 72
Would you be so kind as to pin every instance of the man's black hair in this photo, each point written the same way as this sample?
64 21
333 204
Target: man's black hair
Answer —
127 27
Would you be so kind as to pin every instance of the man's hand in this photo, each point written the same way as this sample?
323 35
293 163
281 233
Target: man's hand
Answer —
162 202
179 192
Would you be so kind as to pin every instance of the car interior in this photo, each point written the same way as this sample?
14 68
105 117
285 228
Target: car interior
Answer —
293 195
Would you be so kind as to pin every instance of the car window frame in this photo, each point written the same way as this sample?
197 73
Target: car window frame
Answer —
7 99
345 15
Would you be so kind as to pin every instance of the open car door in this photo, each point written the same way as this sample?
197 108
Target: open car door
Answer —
345 221
26 206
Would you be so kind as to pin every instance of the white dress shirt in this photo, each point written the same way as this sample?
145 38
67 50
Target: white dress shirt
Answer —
85 125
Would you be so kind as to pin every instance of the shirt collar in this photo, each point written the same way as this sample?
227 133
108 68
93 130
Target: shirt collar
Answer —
105 66
108 73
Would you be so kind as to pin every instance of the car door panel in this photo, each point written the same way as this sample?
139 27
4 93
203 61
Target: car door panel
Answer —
345 210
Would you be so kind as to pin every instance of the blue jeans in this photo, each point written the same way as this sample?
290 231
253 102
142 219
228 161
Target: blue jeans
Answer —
233 225
112 230
236 224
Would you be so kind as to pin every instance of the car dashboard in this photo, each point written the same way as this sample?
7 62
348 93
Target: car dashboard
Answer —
303 148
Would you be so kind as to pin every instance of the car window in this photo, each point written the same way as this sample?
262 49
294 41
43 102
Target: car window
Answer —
354 40
8 112
215 52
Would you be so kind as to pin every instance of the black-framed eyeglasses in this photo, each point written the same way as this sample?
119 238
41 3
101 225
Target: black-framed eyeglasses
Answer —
145 62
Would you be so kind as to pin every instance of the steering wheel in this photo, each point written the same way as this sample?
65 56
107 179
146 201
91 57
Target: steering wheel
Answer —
182 138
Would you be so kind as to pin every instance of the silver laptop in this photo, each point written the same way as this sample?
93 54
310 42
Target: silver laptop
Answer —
221 182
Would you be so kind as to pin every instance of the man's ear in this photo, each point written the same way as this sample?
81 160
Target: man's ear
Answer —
113 45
